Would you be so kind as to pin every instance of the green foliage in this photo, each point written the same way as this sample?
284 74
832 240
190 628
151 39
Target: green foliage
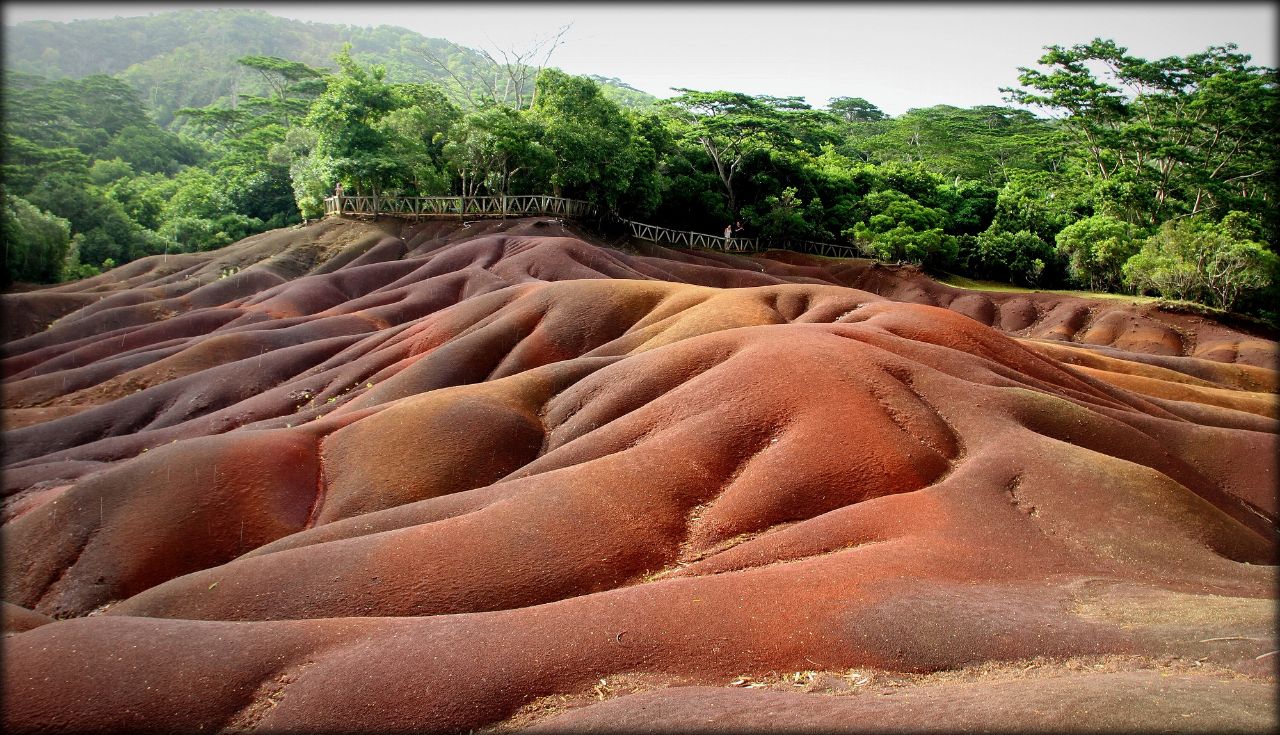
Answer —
84 149
74 270
889 208
1016 257
191 58
310 188
374 138
415 136
264 133
346 119
622 94
855 109
489 146
1096 248
731 128
1039 202
292 83
970 206
104 171
251 161
26 163
785 217
1198 259
986 143
35 242
197 233
198 194
1174 136
597 152
904 244
144 198
99 116
105 230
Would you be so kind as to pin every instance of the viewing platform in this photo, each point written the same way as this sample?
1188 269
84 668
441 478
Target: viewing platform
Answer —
528 205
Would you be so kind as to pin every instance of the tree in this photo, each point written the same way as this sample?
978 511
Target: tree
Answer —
787 217
256 182
489 146
987 143
1184 135
105 171
143 197
595 149
898 228
855 109
149 149
1096 248
416 135
511 82
105 230
969 205
730 126
345 119
1041 203
311 177
27 163
1195 258
35 242
293 85
1019 257
1093 111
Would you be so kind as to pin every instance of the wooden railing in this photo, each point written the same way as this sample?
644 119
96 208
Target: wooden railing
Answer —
485 206
829 249
536 204
654 233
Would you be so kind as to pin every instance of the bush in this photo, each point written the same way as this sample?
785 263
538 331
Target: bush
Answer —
1197 259
313 177
1096 248
1016 257
105 171
932 247
786 217
35 242
74 270
192 234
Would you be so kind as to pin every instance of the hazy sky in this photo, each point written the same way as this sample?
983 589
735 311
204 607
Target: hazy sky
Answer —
897 55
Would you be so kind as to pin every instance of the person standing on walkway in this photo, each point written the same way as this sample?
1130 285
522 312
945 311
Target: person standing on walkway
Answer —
728 235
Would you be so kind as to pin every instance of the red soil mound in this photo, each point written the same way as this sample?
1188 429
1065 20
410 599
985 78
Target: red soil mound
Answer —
392 476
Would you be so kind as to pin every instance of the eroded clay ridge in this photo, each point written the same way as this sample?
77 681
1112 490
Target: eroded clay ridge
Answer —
359 477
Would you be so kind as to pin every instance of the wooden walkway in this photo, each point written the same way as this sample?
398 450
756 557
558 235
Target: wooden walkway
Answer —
541 204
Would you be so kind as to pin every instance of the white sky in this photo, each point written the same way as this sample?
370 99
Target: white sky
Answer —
897 55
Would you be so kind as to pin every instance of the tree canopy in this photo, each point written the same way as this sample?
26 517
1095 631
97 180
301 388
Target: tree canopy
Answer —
1148 175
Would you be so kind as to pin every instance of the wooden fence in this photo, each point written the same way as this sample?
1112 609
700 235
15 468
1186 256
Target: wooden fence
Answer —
541 204
654 233
486 206
829 249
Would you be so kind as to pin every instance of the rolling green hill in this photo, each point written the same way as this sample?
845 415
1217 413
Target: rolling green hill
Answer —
187 58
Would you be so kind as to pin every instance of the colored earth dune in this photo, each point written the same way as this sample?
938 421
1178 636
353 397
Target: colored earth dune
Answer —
390 476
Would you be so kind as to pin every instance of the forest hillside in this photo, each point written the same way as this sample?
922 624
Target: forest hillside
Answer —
188 58
1104 171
